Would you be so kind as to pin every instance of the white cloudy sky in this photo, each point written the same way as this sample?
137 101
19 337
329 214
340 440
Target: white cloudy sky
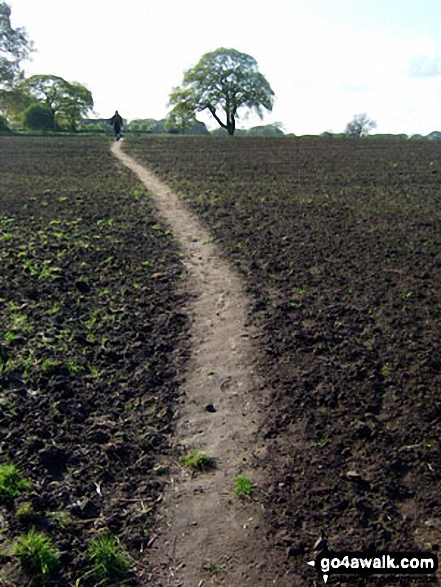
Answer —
326 60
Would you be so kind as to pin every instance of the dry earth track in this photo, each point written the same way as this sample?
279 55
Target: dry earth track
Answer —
208 536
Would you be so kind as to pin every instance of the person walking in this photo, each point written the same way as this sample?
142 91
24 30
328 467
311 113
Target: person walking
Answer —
116 121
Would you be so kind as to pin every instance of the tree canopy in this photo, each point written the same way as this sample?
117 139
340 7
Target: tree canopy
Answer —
38 116
360 125
67 101
223 82
14 47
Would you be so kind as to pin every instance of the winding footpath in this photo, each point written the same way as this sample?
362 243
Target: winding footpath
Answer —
208 536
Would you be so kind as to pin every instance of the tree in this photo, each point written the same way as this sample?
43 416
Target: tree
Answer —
269 130
360 126
38 116
179 120
14 101
223 82
69 102
14 47
4 127
76 103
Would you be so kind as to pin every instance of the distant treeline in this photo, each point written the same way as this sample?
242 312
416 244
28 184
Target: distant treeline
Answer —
152 126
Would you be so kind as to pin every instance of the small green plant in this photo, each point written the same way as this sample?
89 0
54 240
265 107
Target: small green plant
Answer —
9 336
385 369
139 192
198 460
109 562
19 322
243 486
11 481
323 441
37 554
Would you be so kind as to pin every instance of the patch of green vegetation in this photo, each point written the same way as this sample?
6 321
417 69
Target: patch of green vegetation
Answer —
108 560
11 481
243 486
198 460
37 555
139 192
323 441
386 369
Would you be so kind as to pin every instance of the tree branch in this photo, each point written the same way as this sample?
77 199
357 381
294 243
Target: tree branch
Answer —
216 117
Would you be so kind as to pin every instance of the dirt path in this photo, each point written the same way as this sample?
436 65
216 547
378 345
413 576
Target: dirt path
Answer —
208 535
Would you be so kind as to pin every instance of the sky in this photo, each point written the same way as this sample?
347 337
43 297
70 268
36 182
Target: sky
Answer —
326 60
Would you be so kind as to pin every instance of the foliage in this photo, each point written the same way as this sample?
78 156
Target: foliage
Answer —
389 137
223 82
11 481
148 125
78 255
14 47
38 116
243 486
75 104
13 102
109 562
360 126
37 554
170 125
269 130
176 124
67 101
197 460
179 121
4 127
95 124
433 136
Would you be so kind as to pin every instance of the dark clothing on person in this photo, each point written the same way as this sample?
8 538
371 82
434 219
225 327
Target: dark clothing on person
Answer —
116 121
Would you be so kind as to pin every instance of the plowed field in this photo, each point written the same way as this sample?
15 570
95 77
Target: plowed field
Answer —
340 245
92 343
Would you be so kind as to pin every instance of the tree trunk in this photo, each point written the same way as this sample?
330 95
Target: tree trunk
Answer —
230 127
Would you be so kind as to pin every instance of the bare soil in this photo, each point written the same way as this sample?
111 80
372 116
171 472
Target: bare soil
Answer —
337 408
93 343
208 536
339 246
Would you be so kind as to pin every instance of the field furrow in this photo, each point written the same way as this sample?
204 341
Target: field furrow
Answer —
340 245
92 343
